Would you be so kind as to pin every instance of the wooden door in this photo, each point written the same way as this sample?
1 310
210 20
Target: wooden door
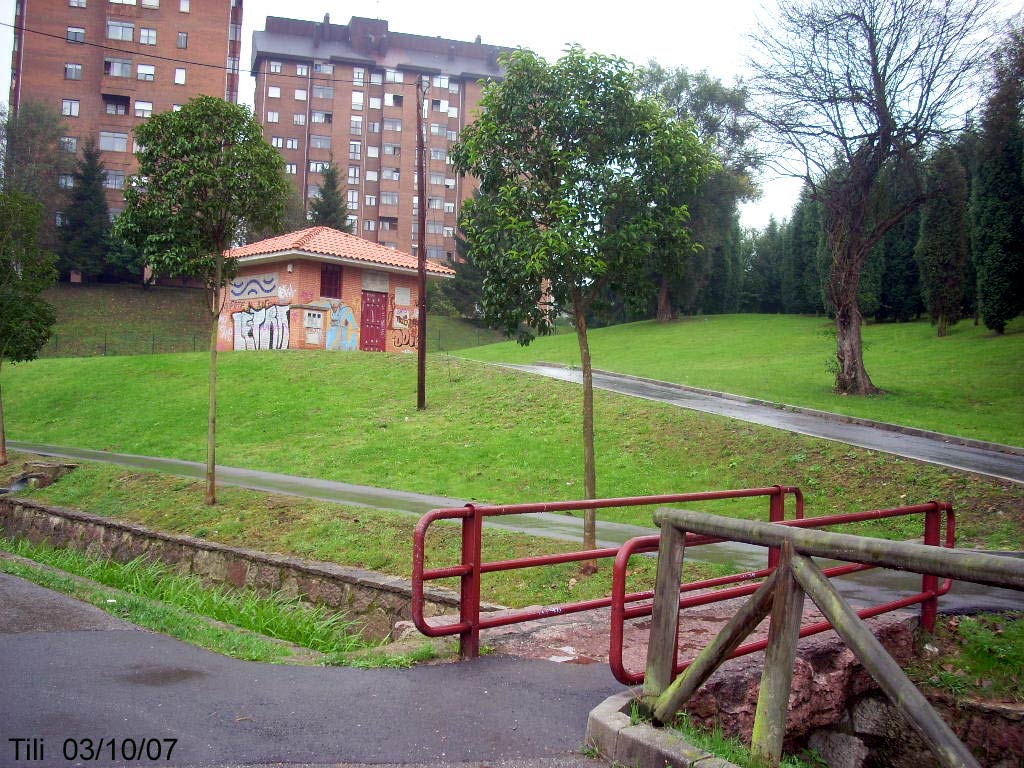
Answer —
373 322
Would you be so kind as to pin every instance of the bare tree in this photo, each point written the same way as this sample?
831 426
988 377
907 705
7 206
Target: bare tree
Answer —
851 90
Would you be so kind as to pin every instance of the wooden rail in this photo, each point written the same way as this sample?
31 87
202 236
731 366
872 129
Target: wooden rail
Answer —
782 594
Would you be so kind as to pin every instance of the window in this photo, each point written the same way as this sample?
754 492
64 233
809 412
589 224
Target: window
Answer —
330 281
183 39
291 168
116 106
436 129
291 143
449 207
393 149
388 223
320 142
356 125
453 135
434 227
373 151
274 92
302 70
147 36
353 174
117 67
277 141
371 199
59 219
376 78
357 100
392 76
437 178
392 174
358 76
143 108
450 183
373 127
179 76
435 253
120 30
76 3
355 150
371 175
111 141
183 6
69 143
273 117
323 117
122 2
113 179
299 118
392 124
233 65
370 225
313 190
393 100
66 180
449 232
274 67
145 71
438 154
323 91
175 107
389 198
76 35
439 105
317 166
453 86
440 81
353 199
300 94
150 3
72 71
323 67
234 32
435 203
453 111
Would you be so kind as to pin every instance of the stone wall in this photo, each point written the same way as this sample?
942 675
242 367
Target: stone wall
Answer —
375 601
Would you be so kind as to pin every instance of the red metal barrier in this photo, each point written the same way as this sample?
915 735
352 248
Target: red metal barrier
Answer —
472 568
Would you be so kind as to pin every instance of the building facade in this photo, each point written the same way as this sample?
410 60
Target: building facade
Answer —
319 288
107 65
348 93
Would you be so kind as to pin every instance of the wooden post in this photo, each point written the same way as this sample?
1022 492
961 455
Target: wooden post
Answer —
743 622
661 651
944 744
777 678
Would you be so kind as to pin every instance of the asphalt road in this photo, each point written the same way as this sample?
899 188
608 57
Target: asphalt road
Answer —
70 672
1004 466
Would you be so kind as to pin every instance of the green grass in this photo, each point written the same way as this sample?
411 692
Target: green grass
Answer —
378 540
487 434
733 750
979 655
970 383
277 617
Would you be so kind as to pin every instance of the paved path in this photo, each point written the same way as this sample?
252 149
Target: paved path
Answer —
70 671
1005 466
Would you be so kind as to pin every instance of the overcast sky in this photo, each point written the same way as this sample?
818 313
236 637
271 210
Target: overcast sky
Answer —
695 35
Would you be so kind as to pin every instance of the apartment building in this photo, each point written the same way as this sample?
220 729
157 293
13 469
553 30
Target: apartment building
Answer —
348 92
107 65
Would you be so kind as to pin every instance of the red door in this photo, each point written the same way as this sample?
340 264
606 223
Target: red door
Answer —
373 322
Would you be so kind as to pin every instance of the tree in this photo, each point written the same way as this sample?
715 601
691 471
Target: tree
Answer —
32 160
941 250
328 208
25 271
998 193
205 172
849 89
85 234
581 181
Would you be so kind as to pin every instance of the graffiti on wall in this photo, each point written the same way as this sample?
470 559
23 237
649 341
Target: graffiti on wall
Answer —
254 286
407 339
262 327
343 332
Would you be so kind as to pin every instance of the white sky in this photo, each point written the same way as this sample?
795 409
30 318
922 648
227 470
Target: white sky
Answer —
687 33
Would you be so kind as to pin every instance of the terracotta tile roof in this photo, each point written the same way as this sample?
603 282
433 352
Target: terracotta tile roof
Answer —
325 241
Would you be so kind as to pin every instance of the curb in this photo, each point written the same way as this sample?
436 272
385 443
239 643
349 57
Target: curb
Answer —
611 732
983 445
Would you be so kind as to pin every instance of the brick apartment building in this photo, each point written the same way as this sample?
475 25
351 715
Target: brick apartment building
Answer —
107 65
328 91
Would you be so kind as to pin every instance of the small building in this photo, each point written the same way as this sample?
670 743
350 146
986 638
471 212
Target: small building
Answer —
320 288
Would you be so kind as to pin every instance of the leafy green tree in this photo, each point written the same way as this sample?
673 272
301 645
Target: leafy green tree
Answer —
941 250
328 208
26 270
581 182
998 193
85 234
850 90
32 160
205 172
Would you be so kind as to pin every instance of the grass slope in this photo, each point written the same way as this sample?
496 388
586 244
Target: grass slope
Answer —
487 434
970 383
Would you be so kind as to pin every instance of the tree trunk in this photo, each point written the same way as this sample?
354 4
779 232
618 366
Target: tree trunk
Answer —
666 309
943 326
851 376
3 432
211 424
589 468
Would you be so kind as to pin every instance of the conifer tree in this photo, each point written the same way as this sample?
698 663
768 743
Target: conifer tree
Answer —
85 233
329 209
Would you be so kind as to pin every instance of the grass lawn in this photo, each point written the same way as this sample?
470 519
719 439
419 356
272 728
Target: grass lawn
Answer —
970 383
487 434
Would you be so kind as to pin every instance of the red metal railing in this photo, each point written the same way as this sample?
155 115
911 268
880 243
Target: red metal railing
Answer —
471 568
